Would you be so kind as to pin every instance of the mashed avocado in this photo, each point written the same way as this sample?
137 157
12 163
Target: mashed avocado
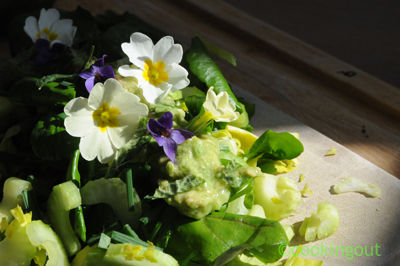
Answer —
199 157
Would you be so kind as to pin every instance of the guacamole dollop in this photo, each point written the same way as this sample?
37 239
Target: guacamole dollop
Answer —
199 157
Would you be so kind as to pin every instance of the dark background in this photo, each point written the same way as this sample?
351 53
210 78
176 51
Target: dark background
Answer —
363 33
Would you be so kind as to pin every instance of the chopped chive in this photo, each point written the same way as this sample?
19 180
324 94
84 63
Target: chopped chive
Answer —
123 238
73 172
25 198
129 187
79 222
104 241
128 229
93 239
157 228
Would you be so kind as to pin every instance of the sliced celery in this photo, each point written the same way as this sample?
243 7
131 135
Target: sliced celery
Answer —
12 196
64 198
128 254
41 235
112 191
16 249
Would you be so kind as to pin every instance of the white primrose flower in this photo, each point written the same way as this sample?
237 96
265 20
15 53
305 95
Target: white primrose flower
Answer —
220 107
50 27
156 67
105 121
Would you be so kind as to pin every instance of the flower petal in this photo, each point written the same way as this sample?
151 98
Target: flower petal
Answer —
96 144
150 92
31 27
178 77
127 71
79 122
170 149
166 120
87 74
180 135
89 83
106 71
120 135
96 96
65 31
48 18
166 51
126 102
156 128
139 49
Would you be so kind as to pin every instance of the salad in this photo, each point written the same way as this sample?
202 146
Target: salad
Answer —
119 147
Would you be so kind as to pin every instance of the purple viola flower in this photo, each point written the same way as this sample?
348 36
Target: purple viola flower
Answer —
45 52
167 137
97 72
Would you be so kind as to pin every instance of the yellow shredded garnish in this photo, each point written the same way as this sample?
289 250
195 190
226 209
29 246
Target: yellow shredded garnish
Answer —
306 190
132 252
41 257
19 215
149 253
331 152
301 178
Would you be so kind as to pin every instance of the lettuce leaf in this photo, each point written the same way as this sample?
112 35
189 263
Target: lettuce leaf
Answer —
213 241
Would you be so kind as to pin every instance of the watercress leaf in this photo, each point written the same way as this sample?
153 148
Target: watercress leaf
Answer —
250 107
50 141
212 239
277 146
267 165
203 66
194 103
171 188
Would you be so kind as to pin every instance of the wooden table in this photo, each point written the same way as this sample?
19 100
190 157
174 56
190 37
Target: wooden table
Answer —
340 101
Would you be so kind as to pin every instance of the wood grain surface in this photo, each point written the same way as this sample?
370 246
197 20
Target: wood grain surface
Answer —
358 111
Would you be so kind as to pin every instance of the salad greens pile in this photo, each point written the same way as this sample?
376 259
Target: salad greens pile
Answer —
133 153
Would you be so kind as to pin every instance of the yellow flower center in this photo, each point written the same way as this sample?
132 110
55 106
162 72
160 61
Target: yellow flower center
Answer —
51 35
106 116
155 72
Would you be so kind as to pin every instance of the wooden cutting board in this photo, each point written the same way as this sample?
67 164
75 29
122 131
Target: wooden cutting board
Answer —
330 103
364 222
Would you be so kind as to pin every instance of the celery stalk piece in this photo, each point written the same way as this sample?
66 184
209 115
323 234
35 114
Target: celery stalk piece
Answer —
112 191
16 249
279 196
64 198
321 224
351 184
136 255
90 256
12 196
41 235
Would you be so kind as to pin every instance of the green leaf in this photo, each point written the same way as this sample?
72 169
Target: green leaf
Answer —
267 165
277 146
171 188
194 103
250 107
218 51
50 141
203 66
213 241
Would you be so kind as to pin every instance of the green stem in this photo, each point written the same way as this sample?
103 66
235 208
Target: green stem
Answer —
74 176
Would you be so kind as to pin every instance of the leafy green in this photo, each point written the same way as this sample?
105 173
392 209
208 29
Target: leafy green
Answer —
213 241
204 67
194 103
50 141
277 146
171 188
